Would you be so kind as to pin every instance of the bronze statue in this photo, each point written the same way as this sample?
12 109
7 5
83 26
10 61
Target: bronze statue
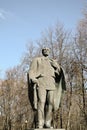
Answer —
46 84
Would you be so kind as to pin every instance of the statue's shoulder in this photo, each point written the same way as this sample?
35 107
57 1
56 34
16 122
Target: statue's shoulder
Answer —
55 64
36 59
54 61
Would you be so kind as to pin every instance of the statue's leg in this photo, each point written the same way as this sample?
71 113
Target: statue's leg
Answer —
41 103
50 95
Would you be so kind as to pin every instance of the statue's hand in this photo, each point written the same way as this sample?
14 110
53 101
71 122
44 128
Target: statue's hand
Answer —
35 81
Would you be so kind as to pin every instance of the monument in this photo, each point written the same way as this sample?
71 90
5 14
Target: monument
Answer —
46 83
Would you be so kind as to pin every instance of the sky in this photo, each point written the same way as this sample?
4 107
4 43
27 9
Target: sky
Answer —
24 20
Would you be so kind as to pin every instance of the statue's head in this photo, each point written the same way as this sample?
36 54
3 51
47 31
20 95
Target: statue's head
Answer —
45 51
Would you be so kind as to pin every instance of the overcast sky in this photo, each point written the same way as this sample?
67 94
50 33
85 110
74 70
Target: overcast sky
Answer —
24 20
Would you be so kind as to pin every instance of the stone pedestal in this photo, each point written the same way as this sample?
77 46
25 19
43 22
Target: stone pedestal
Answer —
45 129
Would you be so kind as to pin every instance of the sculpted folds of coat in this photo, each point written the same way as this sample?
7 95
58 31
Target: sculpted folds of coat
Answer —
47 80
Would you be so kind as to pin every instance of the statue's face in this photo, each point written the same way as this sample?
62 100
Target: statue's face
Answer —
46 52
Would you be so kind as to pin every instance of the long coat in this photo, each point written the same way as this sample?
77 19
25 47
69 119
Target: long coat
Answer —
50 76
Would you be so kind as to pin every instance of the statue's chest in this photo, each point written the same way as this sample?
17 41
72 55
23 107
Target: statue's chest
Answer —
45 65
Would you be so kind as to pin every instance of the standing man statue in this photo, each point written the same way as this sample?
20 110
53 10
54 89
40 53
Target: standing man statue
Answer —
46 78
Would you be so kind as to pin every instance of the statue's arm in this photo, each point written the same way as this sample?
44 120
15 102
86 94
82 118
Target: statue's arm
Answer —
32 84
55 65
33 71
